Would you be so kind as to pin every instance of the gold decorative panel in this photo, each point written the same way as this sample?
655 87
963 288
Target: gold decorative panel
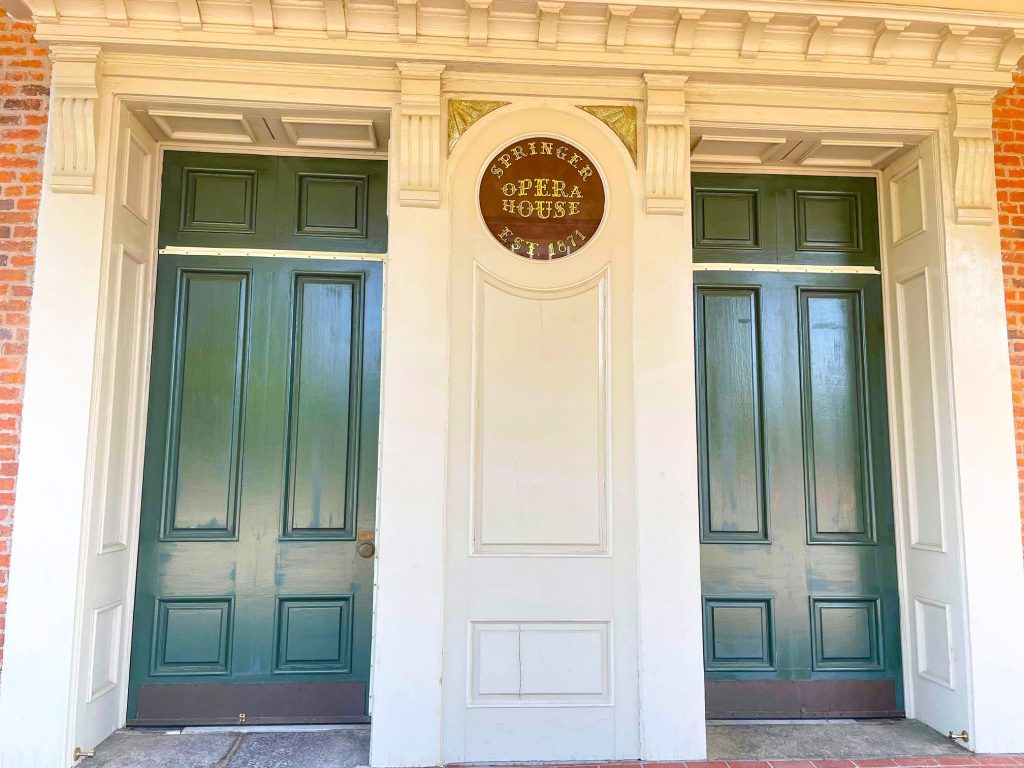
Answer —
463 113
621 119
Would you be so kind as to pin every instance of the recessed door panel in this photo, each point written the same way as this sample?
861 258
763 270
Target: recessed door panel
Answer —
837 457
324 407
208 398
730 420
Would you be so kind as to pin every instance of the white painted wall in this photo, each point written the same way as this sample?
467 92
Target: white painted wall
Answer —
671 637
39 643
987 475
541 633
414 405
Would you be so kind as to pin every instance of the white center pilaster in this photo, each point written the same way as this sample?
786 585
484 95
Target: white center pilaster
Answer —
985 445
671 659
414 423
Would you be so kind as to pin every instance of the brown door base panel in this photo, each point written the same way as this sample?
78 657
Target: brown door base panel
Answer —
260 703
729 699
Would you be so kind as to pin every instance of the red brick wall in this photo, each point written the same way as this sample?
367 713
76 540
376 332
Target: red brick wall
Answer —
24 90
1008 128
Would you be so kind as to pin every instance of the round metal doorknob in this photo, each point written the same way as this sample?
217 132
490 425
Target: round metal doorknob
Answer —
366 549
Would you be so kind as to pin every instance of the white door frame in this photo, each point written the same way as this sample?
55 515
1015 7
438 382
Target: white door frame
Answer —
38 685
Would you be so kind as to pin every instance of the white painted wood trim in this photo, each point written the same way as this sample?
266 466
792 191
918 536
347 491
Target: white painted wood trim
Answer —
810 269
270 253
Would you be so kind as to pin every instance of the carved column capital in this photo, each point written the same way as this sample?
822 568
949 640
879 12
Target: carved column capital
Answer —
971 151
75 91
419 127
667 147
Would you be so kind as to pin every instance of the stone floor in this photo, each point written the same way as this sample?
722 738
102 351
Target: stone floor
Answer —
779 744
826 740
253 747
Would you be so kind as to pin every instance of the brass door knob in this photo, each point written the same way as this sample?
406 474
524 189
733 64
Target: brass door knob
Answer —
366 549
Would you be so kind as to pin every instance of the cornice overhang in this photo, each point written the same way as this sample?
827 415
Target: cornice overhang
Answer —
853 43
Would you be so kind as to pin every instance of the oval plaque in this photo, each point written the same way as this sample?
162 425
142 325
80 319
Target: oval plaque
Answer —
542 198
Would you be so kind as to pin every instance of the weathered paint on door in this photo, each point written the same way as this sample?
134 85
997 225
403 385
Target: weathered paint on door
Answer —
798 563
259 485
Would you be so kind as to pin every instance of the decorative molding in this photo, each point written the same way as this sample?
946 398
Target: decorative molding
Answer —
335 18
547 30
686 29
887 34
419 147
667 146
189 15
618 25
620 118
952 40
408 19
753 32
1012 50
75 89
821 34
941 47
462 113
479 21
263 17
971 150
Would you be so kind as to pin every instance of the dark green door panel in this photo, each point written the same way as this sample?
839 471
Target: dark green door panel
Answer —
332 205
217 201
260 479
814 599
730 421
734 218
212 200
208 397
769 219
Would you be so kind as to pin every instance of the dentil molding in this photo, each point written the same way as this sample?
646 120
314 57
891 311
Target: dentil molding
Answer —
419 135
667 146
75 89
971 149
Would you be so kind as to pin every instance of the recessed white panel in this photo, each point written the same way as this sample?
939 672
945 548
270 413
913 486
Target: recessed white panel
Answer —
907 204
180 125
752 150
117 461
330 133
497 660
934 641
565 660
106 648
849 153
539 442
540 663
923 489
137 177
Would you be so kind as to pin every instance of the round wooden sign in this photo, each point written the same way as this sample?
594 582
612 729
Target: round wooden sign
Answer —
542 198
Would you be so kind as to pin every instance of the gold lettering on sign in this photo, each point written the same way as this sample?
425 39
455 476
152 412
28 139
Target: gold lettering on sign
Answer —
542 198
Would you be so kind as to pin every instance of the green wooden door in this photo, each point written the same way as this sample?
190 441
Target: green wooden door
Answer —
798 558
253 603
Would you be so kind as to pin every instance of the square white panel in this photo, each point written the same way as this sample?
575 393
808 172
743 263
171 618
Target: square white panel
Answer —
934 641
539 663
